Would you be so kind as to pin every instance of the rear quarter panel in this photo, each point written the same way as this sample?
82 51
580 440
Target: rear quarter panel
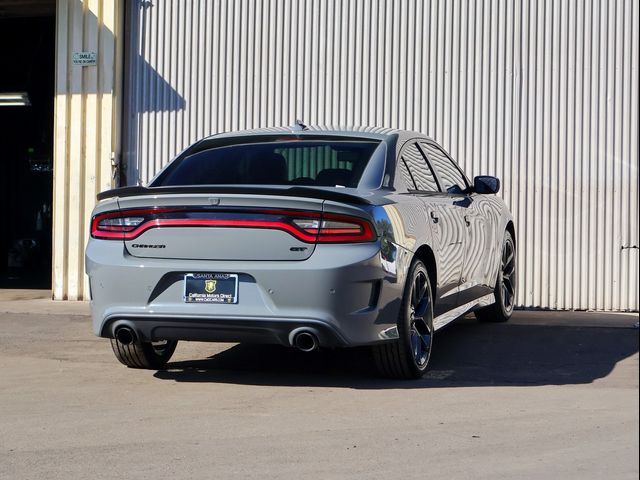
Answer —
402 228
497 215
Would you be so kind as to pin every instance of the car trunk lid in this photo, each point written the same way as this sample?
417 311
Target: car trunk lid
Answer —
220 227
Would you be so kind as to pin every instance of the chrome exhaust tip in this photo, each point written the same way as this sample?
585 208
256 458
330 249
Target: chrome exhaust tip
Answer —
125 335
305 342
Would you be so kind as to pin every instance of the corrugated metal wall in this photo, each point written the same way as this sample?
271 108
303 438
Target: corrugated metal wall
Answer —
543 94
85 132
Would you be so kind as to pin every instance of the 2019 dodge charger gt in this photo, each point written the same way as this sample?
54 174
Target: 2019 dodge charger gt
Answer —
303 236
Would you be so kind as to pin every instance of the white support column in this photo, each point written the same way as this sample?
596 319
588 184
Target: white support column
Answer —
86 131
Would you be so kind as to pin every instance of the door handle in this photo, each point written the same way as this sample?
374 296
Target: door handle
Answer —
466 220
434 217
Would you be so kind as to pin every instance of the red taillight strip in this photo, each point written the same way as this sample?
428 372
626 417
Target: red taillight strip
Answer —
200 222
364 233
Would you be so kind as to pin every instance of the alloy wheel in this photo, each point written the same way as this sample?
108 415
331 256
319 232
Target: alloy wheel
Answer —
508 275
420 325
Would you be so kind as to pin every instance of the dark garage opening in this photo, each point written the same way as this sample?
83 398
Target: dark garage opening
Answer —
27 56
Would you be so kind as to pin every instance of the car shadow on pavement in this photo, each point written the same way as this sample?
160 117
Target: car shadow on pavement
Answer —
467 353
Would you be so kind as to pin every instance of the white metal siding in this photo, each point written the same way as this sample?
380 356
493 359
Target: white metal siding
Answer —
543 94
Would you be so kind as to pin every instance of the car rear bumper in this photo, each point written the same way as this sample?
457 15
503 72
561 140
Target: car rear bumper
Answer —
254 330
343 294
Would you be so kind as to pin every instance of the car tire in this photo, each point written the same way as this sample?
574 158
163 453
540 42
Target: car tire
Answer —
505 289
408 356
150 355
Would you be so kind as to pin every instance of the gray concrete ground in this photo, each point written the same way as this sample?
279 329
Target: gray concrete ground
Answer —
549 395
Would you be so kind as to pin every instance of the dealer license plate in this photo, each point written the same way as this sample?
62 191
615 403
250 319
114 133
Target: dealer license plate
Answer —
211 288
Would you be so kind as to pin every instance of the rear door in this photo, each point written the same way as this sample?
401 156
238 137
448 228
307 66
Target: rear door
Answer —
474 282
446 224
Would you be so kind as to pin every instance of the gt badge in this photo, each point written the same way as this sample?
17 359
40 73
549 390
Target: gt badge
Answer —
210 286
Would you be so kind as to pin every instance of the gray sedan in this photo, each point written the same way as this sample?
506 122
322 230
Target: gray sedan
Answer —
307 237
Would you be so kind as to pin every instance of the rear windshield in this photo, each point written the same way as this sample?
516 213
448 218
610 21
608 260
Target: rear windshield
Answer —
298 162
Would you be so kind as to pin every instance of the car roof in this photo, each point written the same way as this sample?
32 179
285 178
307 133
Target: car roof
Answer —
377 133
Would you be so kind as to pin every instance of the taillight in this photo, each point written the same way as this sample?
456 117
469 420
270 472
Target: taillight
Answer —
123 225
335 228
119 224
309 227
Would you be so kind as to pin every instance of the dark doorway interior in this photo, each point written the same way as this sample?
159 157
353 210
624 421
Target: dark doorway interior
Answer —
27 56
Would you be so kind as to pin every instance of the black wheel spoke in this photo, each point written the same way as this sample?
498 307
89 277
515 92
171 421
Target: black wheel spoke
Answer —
426 341
422 290
418 290
508 271
415 344
414 300
420 341
508 285
507 293
509 257
422 307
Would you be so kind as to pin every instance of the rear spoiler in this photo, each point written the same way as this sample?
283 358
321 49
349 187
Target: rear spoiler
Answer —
305 192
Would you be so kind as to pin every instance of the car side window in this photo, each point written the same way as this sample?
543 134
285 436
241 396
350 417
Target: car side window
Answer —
406 176
418 169
450 176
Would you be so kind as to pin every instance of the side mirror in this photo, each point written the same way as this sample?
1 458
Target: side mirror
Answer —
486 184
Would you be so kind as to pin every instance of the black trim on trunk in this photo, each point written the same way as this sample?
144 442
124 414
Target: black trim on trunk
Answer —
304 192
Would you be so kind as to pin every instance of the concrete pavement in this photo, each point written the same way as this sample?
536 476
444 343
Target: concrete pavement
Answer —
549 395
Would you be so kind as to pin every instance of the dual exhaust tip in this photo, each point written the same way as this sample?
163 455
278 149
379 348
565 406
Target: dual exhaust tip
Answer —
305 341
125 335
